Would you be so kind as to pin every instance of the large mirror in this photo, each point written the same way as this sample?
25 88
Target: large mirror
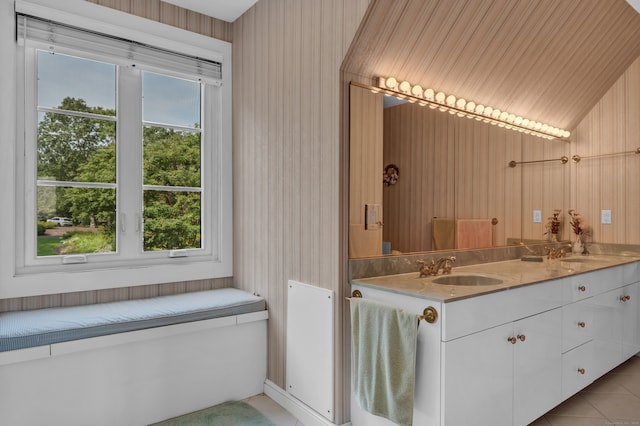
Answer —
410 164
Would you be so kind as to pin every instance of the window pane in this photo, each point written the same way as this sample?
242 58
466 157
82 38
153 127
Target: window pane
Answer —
76 84
171 220
171 158
170 100
75 220
76 149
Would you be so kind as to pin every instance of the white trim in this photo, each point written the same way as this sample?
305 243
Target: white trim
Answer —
97 18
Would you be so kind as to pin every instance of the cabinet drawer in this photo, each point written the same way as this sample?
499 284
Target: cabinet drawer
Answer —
577 324
474 314
582 286
577 369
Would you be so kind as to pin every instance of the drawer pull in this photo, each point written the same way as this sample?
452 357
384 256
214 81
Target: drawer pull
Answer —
522 337
582 288
581 370
625 298
512 340
581 324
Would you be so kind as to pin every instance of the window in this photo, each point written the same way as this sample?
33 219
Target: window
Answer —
126 158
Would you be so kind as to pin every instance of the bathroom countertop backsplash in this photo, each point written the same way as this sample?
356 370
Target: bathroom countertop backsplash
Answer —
400 273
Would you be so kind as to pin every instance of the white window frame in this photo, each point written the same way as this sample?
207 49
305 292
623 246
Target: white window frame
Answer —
111 271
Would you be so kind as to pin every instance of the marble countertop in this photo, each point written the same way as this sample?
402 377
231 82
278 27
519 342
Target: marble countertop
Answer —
511 273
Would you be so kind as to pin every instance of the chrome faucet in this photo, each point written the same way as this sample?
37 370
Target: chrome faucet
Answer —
556 253
444 263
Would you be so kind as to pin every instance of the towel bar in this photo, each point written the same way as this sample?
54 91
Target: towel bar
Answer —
430 314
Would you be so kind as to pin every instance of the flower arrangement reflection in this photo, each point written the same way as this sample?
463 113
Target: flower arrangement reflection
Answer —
581 230
553 225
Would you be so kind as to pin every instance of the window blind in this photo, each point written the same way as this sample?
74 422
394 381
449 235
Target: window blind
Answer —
52 35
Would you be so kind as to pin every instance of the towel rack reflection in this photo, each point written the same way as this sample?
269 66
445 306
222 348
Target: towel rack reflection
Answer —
564 159
430 314
576 158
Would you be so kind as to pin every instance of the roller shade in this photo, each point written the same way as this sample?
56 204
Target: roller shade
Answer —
51 36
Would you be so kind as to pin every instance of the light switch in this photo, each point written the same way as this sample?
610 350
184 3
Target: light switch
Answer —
606 217
537 216
372 216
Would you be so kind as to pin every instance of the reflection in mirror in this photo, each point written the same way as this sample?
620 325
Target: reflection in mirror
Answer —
451 168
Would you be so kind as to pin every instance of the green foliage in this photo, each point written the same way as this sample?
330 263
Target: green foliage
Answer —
171 218
79 242
81 149
43 226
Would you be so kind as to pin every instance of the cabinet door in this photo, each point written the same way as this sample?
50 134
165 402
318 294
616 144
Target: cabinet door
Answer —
537 377
630 319
607 331
478 378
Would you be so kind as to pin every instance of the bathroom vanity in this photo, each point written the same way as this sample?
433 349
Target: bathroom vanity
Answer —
513 339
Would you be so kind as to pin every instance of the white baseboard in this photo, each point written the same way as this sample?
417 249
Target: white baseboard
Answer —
296 407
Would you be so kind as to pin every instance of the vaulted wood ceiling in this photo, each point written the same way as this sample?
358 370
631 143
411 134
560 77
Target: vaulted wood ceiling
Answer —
546 60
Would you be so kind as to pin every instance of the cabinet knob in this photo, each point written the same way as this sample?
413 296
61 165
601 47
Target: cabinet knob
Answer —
581 370
512 340
522 337
625 298
581 324
582 288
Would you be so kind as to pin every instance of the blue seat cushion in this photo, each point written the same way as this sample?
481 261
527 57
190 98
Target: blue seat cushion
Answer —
25 329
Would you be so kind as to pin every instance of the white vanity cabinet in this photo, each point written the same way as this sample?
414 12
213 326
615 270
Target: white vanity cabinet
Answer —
577 346
507 357
505 375
615 327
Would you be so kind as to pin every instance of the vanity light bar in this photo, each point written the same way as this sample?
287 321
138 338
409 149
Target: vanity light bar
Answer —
463 108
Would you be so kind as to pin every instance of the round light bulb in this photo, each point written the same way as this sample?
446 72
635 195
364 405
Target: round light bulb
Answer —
451 100
495 113
471 106
405 87
391 83
487 111
416 91
440 97
428 94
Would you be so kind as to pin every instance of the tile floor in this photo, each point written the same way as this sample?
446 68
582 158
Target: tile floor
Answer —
614 399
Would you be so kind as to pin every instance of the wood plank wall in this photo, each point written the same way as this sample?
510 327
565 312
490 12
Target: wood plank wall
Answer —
610 182
169 14
287 158
456 167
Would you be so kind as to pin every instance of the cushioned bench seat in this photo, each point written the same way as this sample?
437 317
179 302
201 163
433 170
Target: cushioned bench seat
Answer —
25 329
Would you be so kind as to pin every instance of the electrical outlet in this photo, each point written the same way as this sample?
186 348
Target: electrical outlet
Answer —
606 217
537 216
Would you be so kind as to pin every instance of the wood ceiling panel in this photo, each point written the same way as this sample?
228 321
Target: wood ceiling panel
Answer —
547 60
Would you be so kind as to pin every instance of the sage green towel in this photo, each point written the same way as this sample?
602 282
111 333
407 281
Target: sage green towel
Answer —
383 343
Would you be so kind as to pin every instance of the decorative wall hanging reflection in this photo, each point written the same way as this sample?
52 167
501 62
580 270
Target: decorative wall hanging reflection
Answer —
391 173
